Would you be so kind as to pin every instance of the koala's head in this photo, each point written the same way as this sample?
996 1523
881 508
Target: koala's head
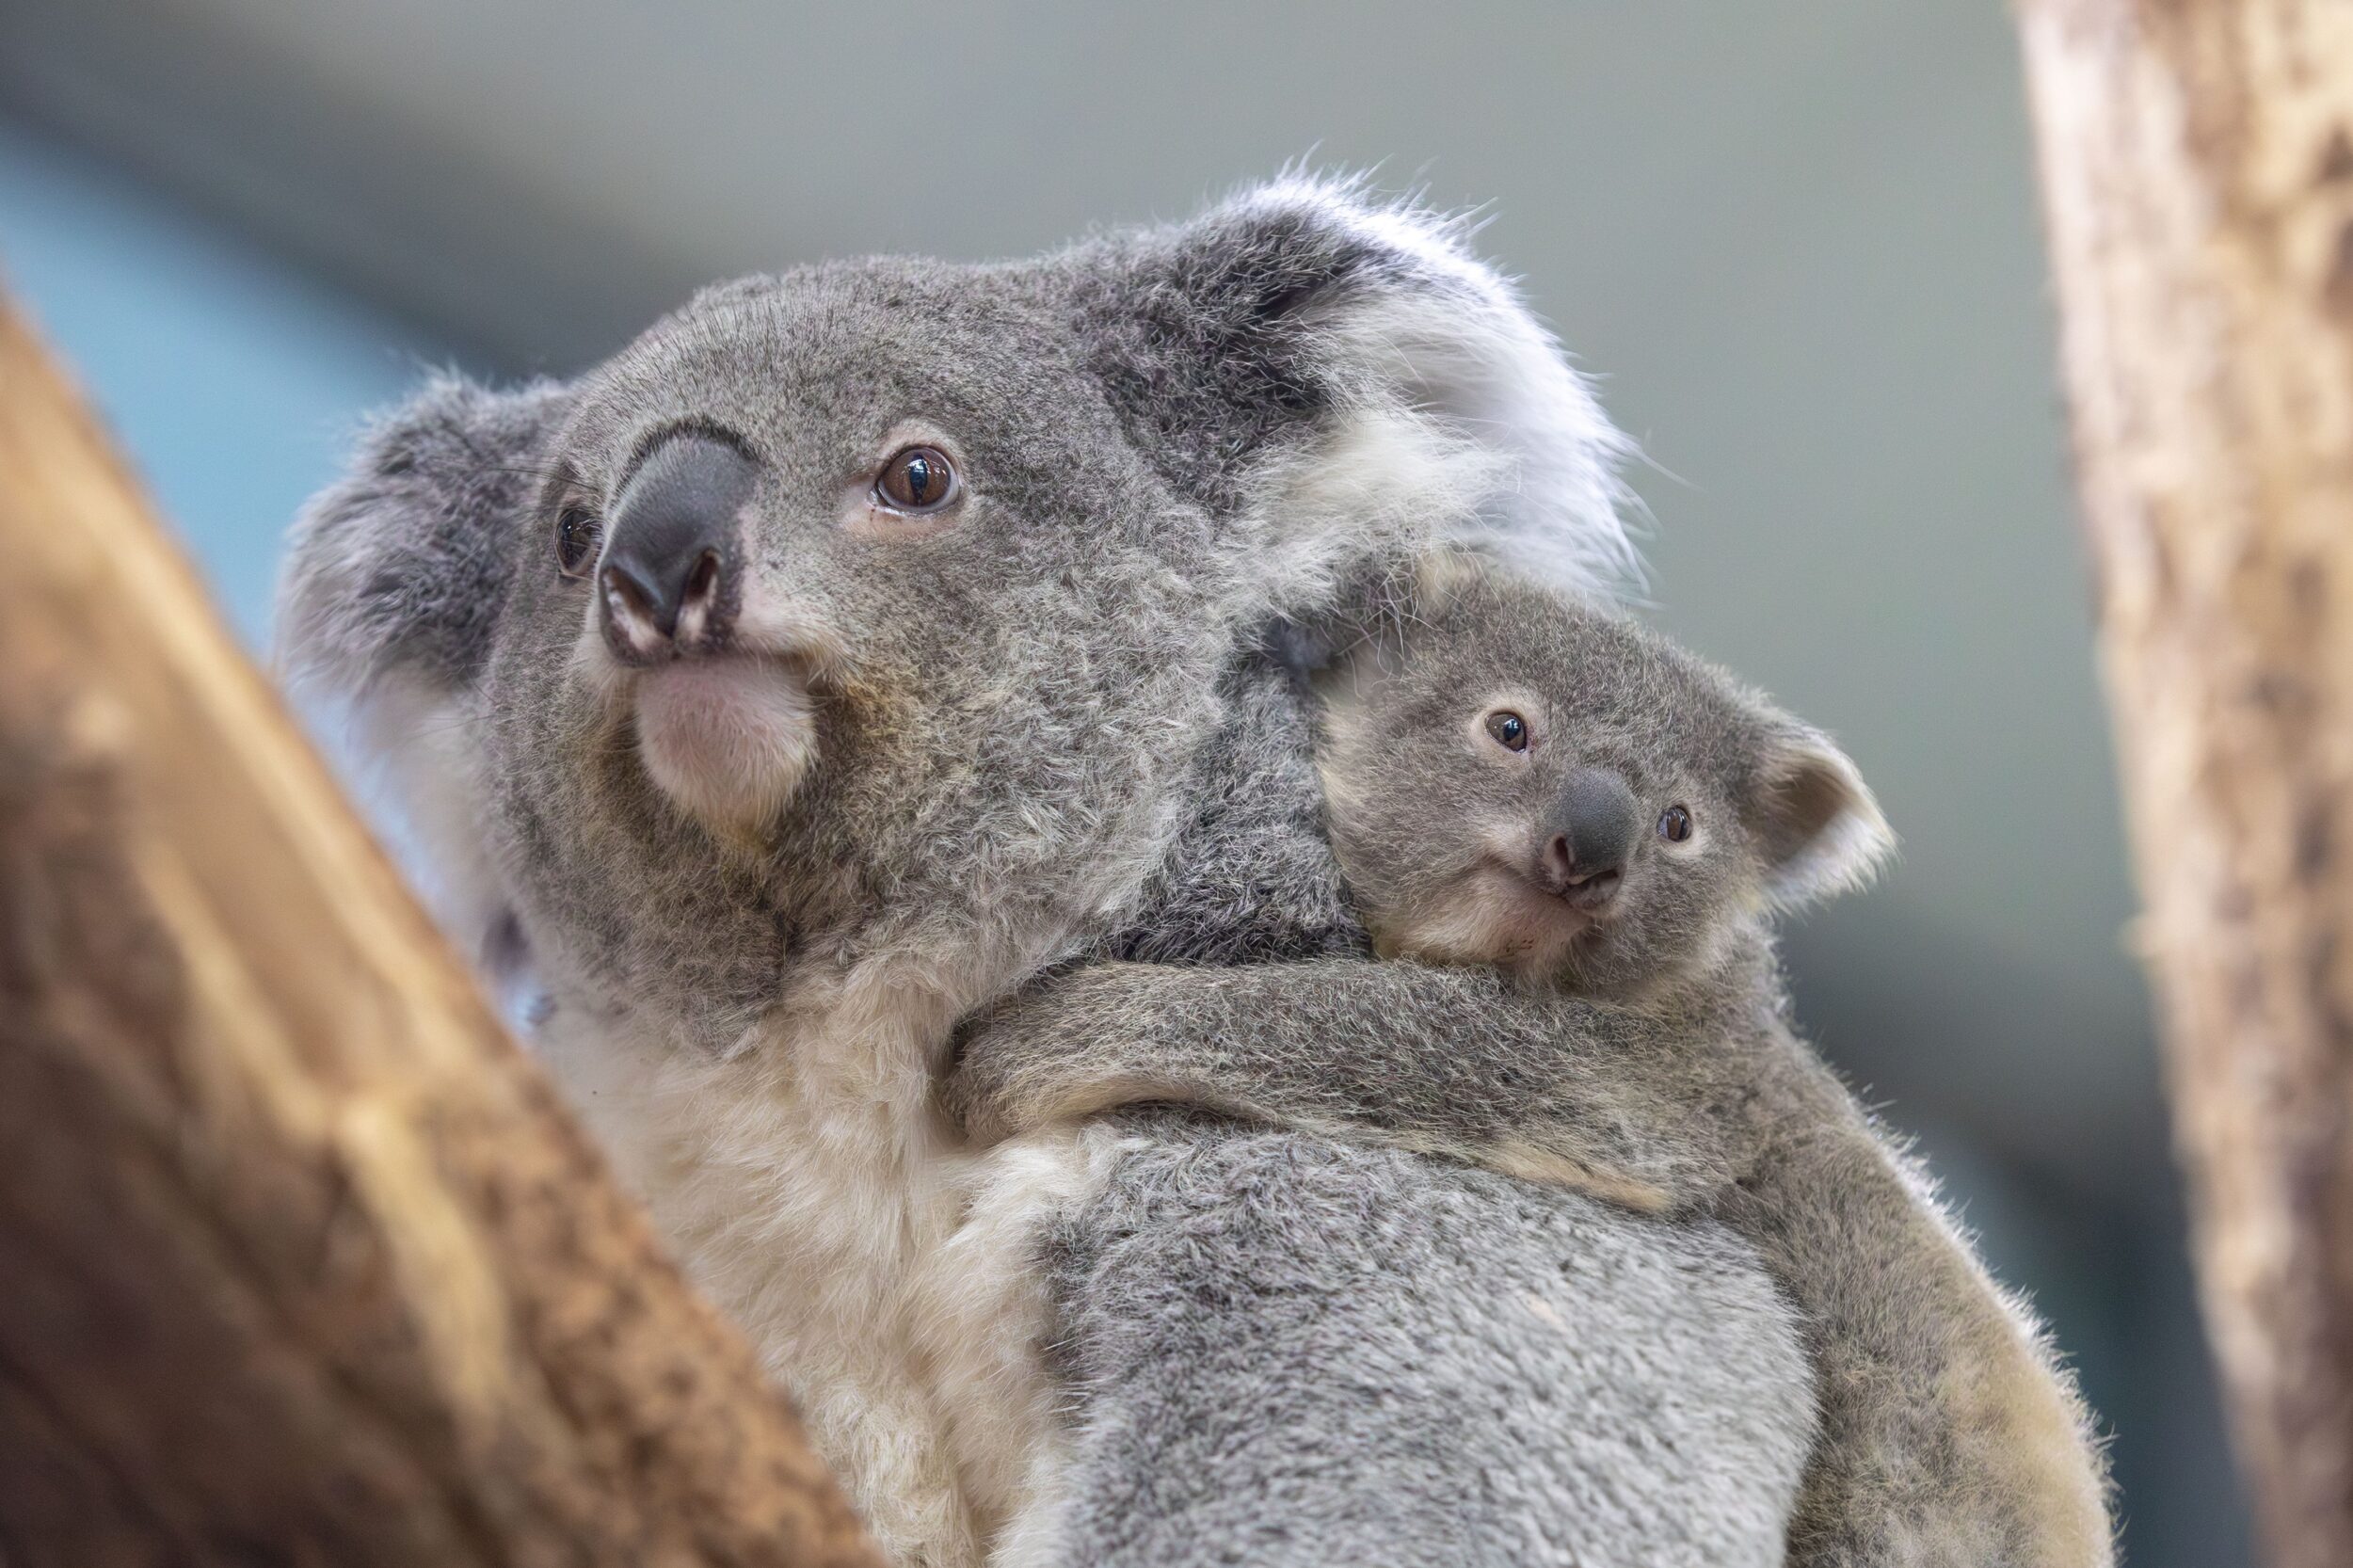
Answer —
882 604
1524 778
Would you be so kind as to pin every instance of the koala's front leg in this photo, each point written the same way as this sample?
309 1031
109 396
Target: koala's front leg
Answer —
1447 1061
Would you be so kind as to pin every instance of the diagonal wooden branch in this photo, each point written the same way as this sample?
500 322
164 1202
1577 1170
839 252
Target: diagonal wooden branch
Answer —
300 1259
2197 162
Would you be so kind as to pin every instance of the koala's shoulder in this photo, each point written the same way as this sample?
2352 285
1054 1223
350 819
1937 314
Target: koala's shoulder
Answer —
1250 876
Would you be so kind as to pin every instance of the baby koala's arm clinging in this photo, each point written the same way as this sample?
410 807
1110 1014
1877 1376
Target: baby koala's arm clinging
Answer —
1444 1061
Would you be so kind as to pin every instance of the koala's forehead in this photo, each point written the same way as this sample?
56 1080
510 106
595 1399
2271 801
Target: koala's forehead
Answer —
829 357
1607 685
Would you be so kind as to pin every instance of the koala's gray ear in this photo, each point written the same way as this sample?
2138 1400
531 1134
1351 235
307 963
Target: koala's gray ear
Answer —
1303 331
1818 826
399 569
390 598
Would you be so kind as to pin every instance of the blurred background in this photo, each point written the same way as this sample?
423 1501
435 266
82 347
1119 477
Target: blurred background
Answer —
1798 240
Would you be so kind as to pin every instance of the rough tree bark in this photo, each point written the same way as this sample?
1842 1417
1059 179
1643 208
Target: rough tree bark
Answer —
300 1262
2198 169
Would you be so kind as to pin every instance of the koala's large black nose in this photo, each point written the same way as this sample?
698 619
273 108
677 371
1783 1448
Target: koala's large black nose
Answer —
1588 838
671 581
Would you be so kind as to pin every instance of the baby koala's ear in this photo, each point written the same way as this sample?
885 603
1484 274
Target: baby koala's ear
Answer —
1818 826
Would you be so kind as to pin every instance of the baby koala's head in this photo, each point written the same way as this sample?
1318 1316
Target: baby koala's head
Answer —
1523 779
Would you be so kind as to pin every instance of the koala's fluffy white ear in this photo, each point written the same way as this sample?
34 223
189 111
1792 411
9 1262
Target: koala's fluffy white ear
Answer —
1817 826
1449 414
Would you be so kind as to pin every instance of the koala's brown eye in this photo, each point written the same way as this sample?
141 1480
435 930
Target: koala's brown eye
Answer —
920 479
577 535
1509 730
1674 825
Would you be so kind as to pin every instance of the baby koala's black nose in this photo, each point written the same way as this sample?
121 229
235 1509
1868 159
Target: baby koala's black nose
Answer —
1583 857
670 580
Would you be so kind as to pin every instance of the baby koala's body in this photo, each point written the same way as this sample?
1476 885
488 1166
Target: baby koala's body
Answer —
1568 837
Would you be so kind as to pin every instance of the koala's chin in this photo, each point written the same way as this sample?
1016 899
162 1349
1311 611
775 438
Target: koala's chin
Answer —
727 740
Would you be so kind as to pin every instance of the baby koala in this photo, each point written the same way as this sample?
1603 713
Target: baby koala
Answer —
1566 838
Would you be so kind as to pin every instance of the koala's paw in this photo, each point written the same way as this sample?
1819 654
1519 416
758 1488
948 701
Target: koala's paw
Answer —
1062 1049
979 1088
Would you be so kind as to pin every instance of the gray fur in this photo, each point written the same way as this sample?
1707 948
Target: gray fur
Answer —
1171 441
396 568
1295 1350
1251 878
1650 1062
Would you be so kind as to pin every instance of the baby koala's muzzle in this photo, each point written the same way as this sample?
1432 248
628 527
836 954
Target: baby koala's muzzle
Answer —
1588 838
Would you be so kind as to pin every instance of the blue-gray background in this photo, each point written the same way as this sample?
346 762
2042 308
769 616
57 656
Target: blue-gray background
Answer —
1798 238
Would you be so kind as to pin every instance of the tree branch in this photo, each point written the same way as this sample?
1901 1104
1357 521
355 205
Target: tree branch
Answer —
2196 163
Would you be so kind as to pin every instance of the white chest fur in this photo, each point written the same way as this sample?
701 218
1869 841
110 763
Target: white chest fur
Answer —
886 1278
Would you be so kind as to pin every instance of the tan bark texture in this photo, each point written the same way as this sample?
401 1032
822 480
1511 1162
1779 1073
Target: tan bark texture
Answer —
2197 160
301 1262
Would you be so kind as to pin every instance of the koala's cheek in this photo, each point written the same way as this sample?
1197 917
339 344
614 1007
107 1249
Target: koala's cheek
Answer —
728 741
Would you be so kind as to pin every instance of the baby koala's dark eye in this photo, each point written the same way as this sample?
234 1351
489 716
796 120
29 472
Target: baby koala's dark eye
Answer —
577 535
920 479
1509 730
1674 825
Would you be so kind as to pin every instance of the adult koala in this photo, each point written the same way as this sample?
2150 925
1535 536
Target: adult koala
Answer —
860 641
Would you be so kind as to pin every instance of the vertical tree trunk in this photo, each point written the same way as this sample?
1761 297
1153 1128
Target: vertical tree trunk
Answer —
301 1260
2197 162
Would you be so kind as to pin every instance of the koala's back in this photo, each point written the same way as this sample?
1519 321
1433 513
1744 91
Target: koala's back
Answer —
1289 1350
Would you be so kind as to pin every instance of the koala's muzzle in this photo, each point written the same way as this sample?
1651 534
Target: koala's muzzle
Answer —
1586 839
671 581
